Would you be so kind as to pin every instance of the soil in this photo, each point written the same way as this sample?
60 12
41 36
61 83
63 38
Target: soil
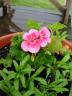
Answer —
4 51
2 93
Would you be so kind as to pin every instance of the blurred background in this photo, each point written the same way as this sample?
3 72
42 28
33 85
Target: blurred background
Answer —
46 4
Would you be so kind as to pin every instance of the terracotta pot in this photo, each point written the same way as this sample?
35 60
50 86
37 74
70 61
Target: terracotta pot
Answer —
5 40
67 44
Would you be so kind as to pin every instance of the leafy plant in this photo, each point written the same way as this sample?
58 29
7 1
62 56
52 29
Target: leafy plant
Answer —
46 73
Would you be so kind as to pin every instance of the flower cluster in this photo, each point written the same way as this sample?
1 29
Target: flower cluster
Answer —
34 40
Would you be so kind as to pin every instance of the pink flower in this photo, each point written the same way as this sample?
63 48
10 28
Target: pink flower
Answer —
31 42
44 36
34 40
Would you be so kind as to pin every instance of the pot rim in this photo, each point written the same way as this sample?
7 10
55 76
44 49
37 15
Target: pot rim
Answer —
6 39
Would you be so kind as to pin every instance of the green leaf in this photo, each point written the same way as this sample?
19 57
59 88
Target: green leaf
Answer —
65 59
29 93
59 83
16 52
56 26
63 82
38 71
3 75
23 80
3 87
55 45
64 35
60 89
70 74
11 75
37 92
41 80
16 65
57 75
7 62
64 66
16 84
70 65
31 85
33 24
16 40
48 70
70 94
6 71
6 87
24 61
28 70
15 93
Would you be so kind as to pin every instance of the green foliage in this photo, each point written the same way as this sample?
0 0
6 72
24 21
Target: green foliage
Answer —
38 71
70 91
15 48
46 73
41 80
6 62
57 35
55 45
33 24
56 26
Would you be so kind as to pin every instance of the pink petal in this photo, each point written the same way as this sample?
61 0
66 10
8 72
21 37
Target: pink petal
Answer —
25 46
25 36
44 32
44 36
45 41
34 32
49 40
31 35
34 46
34 49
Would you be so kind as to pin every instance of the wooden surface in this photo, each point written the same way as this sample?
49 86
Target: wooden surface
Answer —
60 7
63 9
68 6
23 14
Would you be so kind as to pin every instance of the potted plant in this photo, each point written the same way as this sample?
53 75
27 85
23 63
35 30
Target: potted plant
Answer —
36 63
